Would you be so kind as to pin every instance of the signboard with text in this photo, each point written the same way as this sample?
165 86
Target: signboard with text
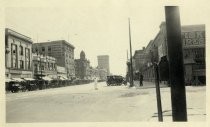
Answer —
193 39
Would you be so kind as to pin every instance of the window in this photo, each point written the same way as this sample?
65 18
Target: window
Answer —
52 66
21 50
6 41
42 67
35 68
43 49
21 64
14 56
49 48
27 58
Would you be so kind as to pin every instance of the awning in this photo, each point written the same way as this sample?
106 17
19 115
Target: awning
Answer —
63 78
9 80
29 79
18 79
47 78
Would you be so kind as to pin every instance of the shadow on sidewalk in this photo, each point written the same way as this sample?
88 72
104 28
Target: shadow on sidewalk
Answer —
147 85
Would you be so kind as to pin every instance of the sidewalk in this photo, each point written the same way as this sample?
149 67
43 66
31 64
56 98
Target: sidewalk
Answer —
195 99
148 85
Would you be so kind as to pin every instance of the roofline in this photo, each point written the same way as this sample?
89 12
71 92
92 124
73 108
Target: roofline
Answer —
60 41
24 37
194 25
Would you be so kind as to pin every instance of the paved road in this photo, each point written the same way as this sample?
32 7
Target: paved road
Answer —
84 104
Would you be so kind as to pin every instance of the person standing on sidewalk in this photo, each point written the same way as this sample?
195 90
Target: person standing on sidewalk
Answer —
141 80
95 83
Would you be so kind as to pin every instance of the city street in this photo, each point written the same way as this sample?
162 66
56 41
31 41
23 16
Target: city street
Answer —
82 103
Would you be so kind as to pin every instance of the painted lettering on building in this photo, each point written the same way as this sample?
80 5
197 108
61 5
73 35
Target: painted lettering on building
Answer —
194 38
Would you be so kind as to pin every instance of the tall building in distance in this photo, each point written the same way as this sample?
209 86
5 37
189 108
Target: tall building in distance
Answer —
103 62
62 50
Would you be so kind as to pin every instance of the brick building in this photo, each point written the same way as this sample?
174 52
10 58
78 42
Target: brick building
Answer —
62 50
193 43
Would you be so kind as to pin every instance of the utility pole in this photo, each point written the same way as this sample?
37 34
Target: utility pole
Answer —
158 96
131 63
176 69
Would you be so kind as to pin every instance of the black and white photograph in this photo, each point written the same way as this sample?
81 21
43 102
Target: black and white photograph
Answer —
104 61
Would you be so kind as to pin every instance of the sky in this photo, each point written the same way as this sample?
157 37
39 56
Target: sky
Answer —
98 27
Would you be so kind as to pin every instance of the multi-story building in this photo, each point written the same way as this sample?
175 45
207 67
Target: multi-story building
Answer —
44 67
81 66
62 50
193 40
193 44
18 56
61 72
138 62
103 62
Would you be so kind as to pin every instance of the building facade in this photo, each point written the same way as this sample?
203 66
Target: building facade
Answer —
44 66
93 72
61 72
194 40
193 44
102 73
103 62
18 56
81 66
62 50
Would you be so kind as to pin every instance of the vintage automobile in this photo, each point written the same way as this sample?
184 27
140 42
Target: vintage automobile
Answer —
115 80
15 87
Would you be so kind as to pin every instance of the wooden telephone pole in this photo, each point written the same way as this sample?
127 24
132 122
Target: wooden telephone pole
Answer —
176 66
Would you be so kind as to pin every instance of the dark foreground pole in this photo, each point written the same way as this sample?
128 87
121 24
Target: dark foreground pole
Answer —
176 71
159 106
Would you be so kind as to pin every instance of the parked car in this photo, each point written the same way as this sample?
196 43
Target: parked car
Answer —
115 80
15 87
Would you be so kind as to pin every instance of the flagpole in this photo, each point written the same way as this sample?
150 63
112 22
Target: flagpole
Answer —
131 64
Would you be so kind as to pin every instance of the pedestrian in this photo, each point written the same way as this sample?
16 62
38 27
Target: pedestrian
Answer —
95 83
141 80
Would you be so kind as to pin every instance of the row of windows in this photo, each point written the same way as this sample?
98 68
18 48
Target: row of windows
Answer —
46 66
195 53
14 57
